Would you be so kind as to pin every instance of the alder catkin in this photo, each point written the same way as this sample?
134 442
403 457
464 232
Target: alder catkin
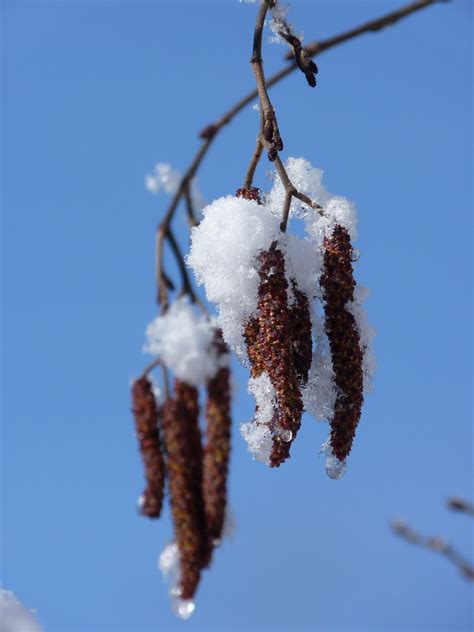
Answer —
147 414
337 283
184 465
217 447
270 349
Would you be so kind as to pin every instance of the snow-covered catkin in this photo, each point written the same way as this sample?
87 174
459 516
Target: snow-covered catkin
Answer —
270 349
300 323
337 283
147 414
184 465
217 447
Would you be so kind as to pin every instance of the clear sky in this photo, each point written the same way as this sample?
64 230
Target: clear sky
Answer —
95 93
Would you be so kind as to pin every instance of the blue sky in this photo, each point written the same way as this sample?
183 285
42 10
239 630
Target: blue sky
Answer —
95 93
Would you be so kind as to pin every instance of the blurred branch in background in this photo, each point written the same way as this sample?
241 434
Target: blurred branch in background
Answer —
459 504
438 544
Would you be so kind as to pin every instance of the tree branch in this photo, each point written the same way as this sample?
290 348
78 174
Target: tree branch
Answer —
372 26
209 133
435 544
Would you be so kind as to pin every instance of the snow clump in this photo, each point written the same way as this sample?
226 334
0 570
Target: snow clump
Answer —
165 178
223 255
13 616
183 339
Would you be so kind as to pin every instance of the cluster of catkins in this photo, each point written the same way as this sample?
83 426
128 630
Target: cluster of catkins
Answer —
278 294
289 306
279 342
171 446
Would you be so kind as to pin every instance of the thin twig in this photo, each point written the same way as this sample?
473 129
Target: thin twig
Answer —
186 287
163 230
255 158
190 207
166 382
150 367
372 26
270 136
435 544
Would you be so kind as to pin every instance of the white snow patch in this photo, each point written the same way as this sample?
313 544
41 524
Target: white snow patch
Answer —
335 468
319 394
257 432
169 565
165 178
14 617
183 339
223 255
366 332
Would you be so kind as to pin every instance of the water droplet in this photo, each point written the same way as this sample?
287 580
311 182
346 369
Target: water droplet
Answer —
140 504
184 608
355 255
334 467
216 542
285 435
176 591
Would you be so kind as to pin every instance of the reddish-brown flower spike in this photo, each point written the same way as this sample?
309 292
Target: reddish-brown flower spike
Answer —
146 415
270 349
337 283
300 322
184 465
217 448
249 194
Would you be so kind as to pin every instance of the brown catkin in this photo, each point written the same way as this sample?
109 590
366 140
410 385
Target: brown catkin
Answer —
217 447
146 415
337 283
249 194
300 323
184 465
270 349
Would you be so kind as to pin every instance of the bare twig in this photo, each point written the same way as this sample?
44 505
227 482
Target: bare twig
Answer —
255 158
163 230
459 504
270 136
150 367
190 207
372 26
186 287
435 544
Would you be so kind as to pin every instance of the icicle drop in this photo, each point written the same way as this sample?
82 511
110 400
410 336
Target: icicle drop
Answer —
335 468
183 608
355 254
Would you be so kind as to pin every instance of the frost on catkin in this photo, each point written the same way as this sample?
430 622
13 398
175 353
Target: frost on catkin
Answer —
338 285
147 415
184 465
270 350
217 447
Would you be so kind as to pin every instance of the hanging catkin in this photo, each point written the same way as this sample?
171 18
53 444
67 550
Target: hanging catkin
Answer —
147 414
337 283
